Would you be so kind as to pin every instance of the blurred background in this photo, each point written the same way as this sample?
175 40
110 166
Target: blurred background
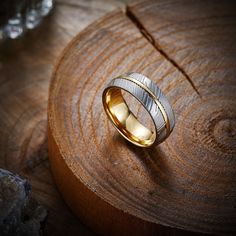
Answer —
19 16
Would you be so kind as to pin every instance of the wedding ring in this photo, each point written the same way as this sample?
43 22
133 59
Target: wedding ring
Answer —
151 98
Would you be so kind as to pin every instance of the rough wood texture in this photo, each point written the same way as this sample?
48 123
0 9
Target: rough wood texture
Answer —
25 70
188 183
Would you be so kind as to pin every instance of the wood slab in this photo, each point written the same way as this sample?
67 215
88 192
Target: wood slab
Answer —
186 184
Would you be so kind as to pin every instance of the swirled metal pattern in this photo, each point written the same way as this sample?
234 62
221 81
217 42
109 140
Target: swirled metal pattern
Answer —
153 100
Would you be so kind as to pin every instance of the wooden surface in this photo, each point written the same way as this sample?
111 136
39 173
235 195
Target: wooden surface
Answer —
188 183
25 70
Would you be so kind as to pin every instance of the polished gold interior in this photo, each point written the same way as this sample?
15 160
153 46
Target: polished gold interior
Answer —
124 120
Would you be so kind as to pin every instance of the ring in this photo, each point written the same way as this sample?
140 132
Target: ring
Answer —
152 99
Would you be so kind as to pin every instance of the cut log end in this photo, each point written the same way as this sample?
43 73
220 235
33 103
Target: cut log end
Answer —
188 182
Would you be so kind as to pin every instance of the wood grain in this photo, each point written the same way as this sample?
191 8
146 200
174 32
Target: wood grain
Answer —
25 70
188 182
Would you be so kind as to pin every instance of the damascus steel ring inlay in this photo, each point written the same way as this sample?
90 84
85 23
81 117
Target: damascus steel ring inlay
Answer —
153 100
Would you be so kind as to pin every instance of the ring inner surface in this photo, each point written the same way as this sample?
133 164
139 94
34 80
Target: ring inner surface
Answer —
125 121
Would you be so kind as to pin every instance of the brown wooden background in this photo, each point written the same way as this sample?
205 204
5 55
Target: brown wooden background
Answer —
26 67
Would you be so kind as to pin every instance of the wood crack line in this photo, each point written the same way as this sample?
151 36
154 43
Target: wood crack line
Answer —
150 38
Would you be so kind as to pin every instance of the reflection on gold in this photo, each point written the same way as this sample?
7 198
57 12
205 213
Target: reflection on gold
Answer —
125 121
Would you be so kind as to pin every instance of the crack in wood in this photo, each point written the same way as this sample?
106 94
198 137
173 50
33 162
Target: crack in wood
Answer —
150 38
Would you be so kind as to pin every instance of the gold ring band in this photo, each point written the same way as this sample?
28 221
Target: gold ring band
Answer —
153 100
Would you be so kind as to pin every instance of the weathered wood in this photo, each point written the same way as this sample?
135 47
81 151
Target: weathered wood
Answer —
25 70
188 183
